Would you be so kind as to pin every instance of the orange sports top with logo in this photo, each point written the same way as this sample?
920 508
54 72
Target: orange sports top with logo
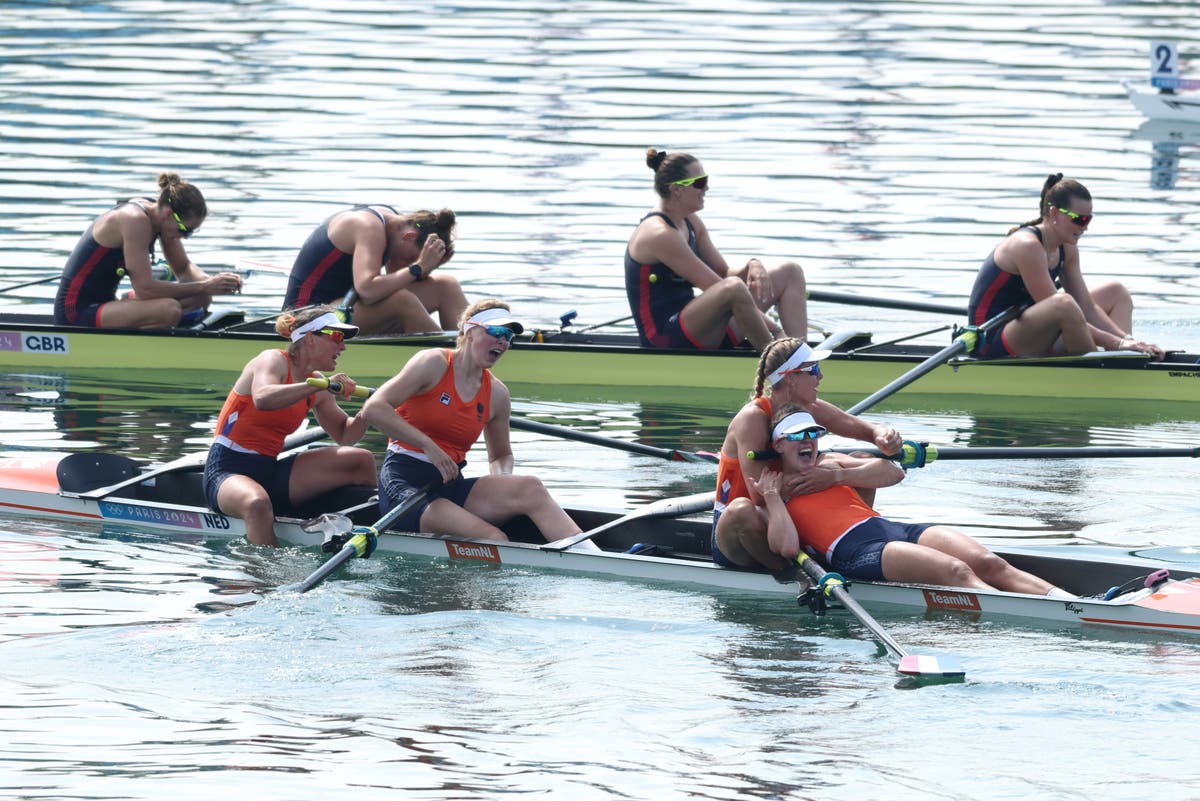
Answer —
824 517
730 481
452 423
244 427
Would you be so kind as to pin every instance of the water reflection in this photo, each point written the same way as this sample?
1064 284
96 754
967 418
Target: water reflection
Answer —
1174 144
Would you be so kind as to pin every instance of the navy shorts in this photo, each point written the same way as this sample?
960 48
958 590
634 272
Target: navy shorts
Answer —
994 346
677 337
402 476
859 554
271 473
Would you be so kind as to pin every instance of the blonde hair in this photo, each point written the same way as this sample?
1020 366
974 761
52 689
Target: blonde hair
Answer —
474 309
772 357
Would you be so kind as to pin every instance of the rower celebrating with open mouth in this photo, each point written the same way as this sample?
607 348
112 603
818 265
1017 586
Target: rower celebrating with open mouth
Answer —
433 412
837 527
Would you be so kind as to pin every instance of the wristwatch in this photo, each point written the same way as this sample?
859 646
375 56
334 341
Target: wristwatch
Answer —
415 269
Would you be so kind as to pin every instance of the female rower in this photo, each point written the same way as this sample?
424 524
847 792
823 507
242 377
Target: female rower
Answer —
433 411
1028 267
670 255
342 259
836 526
121 241
243 476
789 373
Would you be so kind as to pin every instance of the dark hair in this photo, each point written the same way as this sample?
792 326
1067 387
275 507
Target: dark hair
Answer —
1058 192
183 198
773 355
668 168
427 223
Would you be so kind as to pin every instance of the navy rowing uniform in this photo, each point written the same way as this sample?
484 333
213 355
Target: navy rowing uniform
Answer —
322 273
996 290
657 296
91 278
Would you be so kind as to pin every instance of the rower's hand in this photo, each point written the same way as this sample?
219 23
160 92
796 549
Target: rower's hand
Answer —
346 385
434 254
759 283
1154 351
768 485
223 284
807 480
445 465
888 439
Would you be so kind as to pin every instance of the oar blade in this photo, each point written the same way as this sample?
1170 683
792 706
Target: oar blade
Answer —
927 666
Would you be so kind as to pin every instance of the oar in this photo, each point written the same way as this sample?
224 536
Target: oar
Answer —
965 342
919 454
30 283
362 542
833 585
666 507
670 454
293 441
885 303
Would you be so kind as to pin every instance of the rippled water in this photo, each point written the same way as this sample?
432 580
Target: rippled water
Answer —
886 145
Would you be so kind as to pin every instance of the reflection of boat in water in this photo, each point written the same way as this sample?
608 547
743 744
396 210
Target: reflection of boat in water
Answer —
1172 140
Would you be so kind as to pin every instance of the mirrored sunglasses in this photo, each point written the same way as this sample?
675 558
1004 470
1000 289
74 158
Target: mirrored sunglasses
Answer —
337 336
808 433
498 331
813 369
1081 220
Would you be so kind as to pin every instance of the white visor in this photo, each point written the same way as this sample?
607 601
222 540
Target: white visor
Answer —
802 355
495 316
796 422
327 320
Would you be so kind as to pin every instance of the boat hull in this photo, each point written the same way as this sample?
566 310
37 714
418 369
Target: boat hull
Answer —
1182 107
678 554
572 360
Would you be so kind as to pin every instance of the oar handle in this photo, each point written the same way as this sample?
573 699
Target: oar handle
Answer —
336 387
362 543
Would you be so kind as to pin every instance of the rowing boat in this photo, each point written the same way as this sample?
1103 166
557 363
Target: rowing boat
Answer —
1162 100
563 358
674 550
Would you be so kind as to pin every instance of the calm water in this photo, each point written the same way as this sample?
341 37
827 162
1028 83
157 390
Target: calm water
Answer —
886 145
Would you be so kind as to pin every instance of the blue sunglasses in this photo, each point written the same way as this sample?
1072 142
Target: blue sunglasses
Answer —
808 433
499 332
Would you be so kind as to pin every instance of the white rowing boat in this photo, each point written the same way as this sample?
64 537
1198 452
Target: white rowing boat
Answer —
1169 96
662 550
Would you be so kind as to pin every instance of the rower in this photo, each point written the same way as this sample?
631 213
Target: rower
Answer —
433 411
386 267
243 476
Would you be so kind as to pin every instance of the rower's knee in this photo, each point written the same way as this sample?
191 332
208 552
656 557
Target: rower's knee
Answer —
1064 309
991 569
